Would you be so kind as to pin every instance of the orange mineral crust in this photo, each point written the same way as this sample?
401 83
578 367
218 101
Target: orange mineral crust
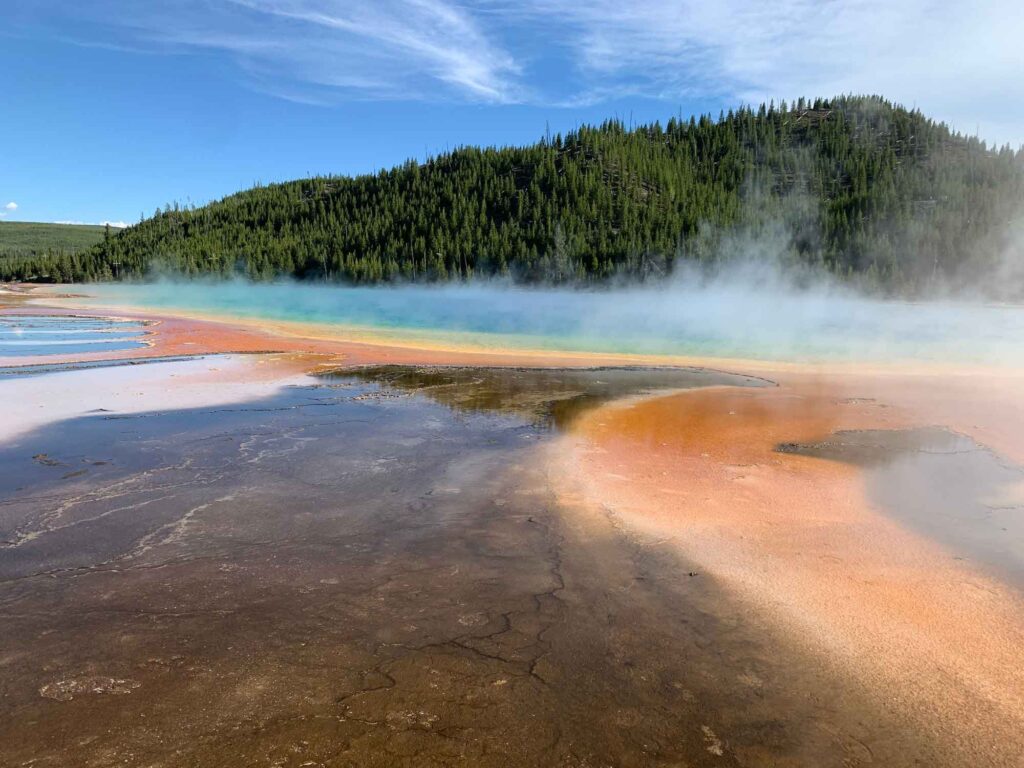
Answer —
931 638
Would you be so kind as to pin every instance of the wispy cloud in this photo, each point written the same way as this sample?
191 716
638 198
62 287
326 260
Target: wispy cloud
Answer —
434 36
960 61
316 51
11 206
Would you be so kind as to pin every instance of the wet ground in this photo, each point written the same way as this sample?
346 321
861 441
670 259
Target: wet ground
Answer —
373 570
548 398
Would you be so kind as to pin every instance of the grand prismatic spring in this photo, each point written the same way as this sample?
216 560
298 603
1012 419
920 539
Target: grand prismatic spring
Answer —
307 526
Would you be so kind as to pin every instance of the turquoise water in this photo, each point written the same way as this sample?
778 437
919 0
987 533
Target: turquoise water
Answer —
31 335
721 319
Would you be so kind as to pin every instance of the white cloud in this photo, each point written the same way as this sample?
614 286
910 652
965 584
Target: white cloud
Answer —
426 36
115 224
11 206
315 51
957 61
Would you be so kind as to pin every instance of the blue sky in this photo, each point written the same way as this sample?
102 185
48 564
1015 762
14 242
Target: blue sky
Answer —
110 108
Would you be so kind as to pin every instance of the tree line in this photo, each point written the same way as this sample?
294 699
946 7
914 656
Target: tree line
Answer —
855 185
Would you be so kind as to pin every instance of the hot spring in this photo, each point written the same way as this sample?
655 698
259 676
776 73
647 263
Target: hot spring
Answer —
726 319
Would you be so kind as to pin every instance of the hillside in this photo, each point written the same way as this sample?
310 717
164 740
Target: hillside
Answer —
855 184
27 239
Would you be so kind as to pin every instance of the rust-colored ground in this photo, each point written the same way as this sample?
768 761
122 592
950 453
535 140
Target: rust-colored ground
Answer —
930 637
933 638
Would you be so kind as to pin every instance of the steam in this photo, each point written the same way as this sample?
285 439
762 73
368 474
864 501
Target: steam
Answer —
749 292
740 309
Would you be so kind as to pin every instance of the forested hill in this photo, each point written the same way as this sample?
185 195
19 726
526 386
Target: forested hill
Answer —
856 184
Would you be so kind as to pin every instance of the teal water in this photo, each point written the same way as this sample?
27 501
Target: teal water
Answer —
32 335
747 320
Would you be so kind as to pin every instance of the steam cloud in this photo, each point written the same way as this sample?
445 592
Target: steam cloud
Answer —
743 309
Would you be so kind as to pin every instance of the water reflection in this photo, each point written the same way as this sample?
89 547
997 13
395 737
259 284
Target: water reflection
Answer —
943 484
32 335
547 398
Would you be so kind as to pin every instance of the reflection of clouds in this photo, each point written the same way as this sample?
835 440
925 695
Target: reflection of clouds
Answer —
30 335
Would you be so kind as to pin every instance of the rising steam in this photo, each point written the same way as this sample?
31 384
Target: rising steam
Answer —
743 309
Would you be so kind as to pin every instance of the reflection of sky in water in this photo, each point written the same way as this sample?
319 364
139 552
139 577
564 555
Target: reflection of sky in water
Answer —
721 319
30 335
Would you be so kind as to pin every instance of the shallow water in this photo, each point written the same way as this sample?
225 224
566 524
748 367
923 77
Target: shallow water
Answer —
944 485
547 398
33 335
374 570
743 320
